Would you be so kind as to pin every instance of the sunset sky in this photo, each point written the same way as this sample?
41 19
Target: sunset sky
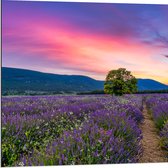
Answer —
86 38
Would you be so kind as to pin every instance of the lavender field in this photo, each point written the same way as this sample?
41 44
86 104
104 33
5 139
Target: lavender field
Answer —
64 130
158 107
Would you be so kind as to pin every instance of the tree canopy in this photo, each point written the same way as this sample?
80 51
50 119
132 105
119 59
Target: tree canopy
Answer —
120 82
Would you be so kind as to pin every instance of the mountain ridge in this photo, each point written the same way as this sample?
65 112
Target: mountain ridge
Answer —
23 79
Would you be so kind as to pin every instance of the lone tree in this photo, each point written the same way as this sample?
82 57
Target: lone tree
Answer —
119 82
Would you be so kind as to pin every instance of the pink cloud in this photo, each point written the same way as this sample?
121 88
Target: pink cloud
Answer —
65 47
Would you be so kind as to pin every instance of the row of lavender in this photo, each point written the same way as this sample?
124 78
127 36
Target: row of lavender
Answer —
158 107
56 130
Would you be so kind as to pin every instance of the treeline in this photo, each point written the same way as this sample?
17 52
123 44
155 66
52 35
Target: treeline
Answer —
34 93
139 92
152 91
92 92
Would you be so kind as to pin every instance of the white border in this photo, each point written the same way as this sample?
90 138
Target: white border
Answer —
132 165
107 1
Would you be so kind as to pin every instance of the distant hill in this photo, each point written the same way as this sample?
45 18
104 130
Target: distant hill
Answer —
149 84
21 80
14 79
